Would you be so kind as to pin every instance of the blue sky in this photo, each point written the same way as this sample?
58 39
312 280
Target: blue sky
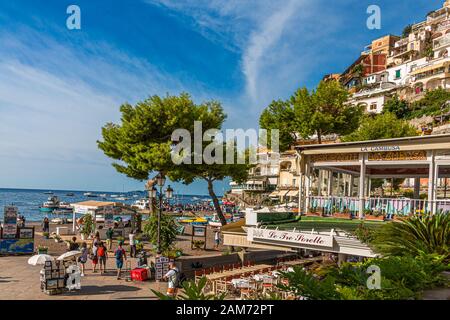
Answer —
58 87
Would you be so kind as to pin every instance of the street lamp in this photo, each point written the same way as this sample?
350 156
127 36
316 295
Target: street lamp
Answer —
160 181
169 192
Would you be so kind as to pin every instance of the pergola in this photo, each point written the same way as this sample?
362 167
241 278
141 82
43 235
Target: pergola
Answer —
356 163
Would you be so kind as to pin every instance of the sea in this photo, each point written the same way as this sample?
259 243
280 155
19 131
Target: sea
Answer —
28 201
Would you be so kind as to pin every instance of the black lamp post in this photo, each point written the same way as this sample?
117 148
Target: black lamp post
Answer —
160 181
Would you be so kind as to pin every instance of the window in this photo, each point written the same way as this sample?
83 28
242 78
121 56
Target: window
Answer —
373 106
398 74
294 182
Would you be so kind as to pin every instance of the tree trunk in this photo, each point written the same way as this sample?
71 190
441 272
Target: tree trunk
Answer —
319 137
216 203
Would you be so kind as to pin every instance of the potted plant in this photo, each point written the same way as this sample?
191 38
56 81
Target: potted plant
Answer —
46 235
374 215
42 250
312 212
88 227
345 214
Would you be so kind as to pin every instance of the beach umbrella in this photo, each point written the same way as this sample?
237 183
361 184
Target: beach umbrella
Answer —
39 259
69 255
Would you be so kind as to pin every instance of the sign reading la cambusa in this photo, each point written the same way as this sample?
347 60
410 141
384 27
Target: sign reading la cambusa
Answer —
298 238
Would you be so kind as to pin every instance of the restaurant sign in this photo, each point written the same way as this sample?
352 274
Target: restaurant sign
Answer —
289 237
380 148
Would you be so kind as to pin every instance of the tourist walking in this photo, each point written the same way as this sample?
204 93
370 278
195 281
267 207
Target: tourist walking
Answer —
96 239
109 238
216 239
120 256
132 236
73 245
83 258
94 257
46 225
102 257
173 277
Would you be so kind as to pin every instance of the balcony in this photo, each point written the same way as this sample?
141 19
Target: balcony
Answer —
441 42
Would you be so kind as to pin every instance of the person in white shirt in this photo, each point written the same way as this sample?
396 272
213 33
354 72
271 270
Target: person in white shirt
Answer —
131 236
216 239
173 276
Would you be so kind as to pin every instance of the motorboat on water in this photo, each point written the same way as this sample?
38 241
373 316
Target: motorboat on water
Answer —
142 204
103 195
90 195
51 204
122 198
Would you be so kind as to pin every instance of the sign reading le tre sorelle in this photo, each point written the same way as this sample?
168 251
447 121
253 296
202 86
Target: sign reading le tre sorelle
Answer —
299 238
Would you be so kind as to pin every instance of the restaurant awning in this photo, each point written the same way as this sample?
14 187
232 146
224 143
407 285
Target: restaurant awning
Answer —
283 193
293 193
274 194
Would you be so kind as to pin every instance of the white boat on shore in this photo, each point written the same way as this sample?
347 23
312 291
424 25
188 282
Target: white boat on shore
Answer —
141 204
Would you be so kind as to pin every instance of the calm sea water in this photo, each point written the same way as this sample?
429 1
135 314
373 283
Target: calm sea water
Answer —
29 201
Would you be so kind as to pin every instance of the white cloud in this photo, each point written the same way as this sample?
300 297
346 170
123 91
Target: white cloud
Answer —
280 42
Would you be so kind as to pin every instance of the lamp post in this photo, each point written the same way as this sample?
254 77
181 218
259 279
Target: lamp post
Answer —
160 181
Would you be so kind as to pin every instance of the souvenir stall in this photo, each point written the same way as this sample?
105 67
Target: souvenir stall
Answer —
108 215
14 239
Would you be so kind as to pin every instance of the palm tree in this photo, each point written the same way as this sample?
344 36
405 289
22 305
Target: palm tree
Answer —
429 234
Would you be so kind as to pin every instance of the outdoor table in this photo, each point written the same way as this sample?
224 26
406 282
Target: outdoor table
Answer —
241 283
262 277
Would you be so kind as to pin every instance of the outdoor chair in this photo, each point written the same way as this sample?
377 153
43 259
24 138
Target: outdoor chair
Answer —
268 284
224 285
198 274
237 266
227 267
217 269
208 271
247 293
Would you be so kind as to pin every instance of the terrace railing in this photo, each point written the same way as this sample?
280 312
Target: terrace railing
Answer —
388 207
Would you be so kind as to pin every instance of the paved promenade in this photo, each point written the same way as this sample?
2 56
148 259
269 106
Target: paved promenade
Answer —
18 280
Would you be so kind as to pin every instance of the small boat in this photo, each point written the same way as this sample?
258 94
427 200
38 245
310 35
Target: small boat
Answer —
90 195
122 198
141 204
103 195
114 196
51 204
62 211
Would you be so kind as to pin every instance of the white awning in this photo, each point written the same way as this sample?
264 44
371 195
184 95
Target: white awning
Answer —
274 194
283 193
293 193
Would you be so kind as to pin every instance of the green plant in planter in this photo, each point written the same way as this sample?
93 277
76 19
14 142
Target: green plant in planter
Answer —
46 235
88 225
42 249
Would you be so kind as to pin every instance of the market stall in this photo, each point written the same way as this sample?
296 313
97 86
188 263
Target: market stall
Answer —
14 239
120 217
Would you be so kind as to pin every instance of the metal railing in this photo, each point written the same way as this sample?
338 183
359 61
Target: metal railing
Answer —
387 207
